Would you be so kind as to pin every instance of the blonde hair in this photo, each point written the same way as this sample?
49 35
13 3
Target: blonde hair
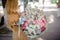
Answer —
12 18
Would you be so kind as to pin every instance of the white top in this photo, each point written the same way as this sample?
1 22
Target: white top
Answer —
1 12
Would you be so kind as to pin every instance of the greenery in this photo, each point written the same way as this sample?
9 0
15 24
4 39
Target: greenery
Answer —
0 4
54 1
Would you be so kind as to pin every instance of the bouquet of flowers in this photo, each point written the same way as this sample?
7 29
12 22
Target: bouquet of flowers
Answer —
33 22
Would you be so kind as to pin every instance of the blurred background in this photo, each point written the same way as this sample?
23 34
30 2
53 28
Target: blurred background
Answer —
51 10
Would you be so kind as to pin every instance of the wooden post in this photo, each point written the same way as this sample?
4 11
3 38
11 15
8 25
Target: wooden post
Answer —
58 4
12 19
